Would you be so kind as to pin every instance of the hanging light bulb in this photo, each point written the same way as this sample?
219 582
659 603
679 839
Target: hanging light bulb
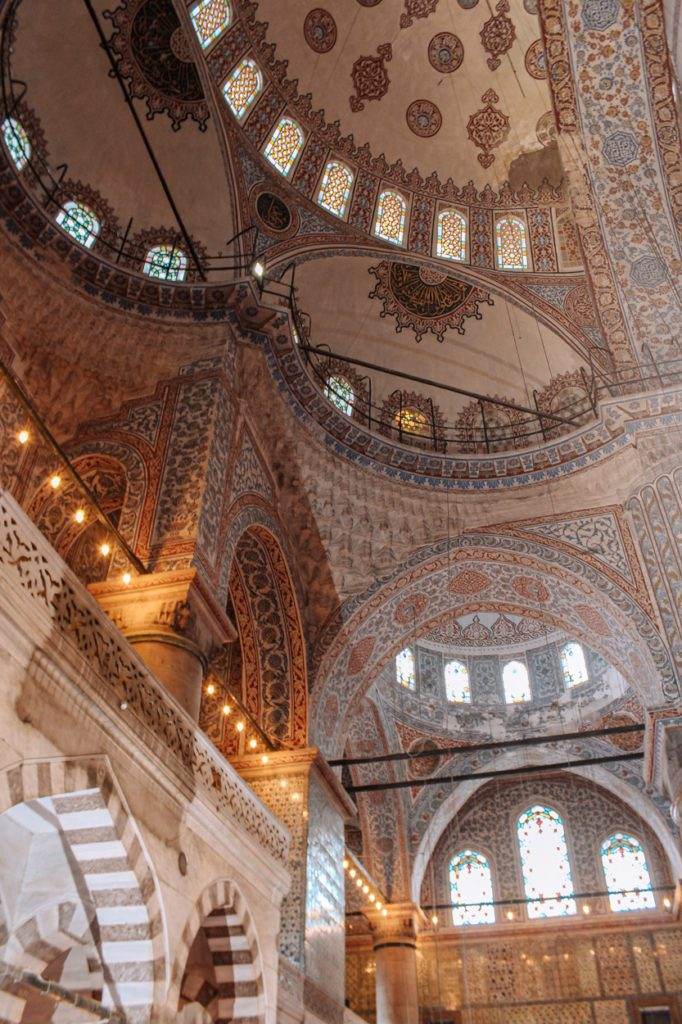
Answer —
352 872
226 709
210 689
127 579
105 549
23 436
434 919
239 727
264 759
55 481
666 902
346 862
79 515
253 743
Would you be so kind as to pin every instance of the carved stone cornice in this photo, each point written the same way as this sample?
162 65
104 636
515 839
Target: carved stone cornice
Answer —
296 762
396 924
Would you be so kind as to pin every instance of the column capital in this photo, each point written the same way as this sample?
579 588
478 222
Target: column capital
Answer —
167 607
396 924
292 762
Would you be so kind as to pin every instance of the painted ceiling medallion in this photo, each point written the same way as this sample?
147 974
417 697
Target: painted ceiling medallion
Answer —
425 300
319 29
370 77
498 34
155 57
536 60
416 9
545 129
488 127
424 118
446 52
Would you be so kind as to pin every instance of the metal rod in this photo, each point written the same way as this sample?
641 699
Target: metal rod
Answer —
437 384
57 449
152 156
439 780
516 900
531 741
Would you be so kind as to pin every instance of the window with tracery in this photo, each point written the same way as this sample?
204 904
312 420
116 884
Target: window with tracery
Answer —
404 669
80 222
457 688
166 262
242 87
544 862
16 140
516 682
412 421
210 18
573 664
451 235
340 393
335 189
284 145
471 889
510 244
390 219
627 874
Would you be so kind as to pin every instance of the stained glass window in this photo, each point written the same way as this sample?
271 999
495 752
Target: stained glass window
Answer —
390 218
451 235
166 262
340 393
404 669
335 188
210 18
510 244
242 87
573 664
516 682
80 222
412 421
457 687
544 862
284 145
471 883
626 872
17 142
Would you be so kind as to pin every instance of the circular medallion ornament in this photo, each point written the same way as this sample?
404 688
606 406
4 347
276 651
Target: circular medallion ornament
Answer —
445 52
272 213
536 60
545 129
319 29
430 276
530 6
467 5
180 46
424 118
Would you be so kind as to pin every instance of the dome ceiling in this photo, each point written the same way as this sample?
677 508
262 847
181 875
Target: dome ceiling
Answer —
452 86
89 130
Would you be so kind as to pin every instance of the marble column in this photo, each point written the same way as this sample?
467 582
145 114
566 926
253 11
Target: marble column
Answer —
307 796
174 625
395 929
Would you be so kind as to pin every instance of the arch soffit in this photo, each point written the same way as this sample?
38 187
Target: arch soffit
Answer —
635 800
529 578
44 777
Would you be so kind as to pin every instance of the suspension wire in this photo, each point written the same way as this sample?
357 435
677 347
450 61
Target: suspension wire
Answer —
375 787
614 730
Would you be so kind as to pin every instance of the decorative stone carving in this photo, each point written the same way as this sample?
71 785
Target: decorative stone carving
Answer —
446 52
498 34
370 77
424 118
488 128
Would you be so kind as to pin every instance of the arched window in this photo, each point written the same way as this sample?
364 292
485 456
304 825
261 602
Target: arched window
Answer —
457 687
242 87
510 244
16 140
284 145
79 221
471 883
166 262
334 193
573 664
404 669
412 421
544 862
210 18
626 872
516 682
390 218
340 393
451 235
